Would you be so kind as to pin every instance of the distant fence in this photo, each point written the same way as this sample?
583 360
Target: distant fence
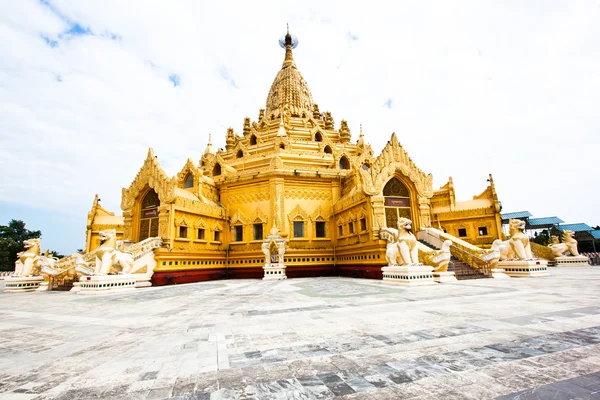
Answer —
593 258
4 274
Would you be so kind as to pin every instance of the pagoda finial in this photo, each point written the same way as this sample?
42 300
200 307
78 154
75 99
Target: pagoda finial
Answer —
288 42
209 148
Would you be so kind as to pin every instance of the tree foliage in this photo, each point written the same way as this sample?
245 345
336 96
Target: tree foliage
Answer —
542 238
11 242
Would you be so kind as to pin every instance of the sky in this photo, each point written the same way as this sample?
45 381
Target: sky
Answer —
510 88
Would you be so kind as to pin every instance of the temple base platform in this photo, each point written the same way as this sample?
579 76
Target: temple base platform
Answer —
499 273
524 268
444 277
412 275
576 261
22 283
274 272
99 284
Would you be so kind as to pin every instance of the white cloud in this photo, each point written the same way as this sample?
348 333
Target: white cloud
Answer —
510 89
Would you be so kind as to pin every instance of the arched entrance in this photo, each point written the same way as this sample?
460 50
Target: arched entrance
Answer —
149 215
397 202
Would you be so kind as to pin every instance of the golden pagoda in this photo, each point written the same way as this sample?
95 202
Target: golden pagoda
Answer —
295 173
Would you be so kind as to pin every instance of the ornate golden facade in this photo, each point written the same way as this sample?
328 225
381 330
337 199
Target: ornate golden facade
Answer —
296 170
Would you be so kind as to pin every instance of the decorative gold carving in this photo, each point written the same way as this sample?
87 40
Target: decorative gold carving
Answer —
151 174
394 158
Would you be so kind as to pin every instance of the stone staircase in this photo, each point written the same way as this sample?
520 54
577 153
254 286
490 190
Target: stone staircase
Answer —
463 271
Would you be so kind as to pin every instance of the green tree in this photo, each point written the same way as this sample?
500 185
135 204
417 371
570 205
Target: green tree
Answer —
11 242
542 238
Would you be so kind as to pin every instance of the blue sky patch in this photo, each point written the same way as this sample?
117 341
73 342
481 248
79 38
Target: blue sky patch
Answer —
75 28
176 79
225 75
388 104
352 37
49 42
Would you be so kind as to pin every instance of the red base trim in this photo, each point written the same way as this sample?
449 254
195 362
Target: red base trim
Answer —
360 271
305 271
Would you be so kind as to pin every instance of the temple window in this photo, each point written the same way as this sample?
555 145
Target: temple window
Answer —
397 202
327 150
483 231
183 232
462 232
239 154
201 233
318 137
344 163
189 181
282 146
217 170
149 215
298 229
258 231
340 230
351 227
252 140
320 230
238 233
217 236
363 224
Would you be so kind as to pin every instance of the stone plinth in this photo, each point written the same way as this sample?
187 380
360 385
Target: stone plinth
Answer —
413 274
76 287
524 268
499 273
444 277
22 283
570 261
98 284
44 287
274 272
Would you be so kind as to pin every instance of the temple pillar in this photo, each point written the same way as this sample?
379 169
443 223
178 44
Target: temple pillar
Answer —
425 213
277 209
127 222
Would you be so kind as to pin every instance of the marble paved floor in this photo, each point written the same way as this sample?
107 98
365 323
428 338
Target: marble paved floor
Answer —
317 338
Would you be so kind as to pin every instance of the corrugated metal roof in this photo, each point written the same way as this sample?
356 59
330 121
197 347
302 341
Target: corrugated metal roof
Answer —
545 221
580 227
518 214
596 233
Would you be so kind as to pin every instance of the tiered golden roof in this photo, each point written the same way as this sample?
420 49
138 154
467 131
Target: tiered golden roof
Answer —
289 88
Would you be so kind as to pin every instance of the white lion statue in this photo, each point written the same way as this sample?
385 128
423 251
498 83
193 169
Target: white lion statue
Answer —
27 263
518 246
402 244
568 244
109 260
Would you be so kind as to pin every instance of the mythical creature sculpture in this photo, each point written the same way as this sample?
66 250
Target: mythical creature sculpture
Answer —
280 252
402 244
492 256
27 263
391 253
568 244
517 247
266 251
109 260
439 259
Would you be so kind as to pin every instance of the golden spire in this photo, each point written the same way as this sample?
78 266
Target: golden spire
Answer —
289 45
209 148
289 87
